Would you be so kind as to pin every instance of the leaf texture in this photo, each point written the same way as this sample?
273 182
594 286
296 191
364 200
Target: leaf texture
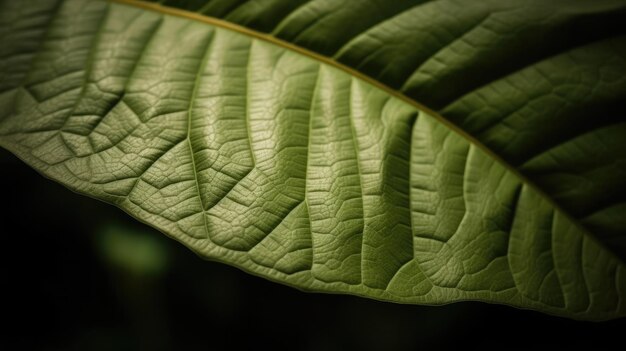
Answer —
296 169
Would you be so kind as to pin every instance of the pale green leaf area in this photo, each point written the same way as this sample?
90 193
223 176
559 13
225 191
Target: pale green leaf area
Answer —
310 161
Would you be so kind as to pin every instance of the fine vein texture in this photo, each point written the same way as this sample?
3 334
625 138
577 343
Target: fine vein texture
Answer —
530 79
296 170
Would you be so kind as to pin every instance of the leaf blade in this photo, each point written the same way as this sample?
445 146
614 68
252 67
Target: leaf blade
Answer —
265 201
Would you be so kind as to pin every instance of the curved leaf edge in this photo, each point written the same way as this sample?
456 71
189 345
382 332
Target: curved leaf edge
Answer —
305 282
300 280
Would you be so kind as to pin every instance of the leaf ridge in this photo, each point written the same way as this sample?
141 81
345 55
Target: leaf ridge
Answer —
201 65
357 150
87 72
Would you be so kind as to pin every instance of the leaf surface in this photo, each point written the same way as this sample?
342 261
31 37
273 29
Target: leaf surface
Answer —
293 166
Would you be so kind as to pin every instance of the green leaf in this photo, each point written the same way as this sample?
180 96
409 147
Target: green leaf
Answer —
304 156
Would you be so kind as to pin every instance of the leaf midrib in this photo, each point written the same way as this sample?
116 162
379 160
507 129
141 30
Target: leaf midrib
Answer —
217 22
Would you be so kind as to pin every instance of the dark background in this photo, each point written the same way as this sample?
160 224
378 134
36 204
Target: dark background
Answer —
78 274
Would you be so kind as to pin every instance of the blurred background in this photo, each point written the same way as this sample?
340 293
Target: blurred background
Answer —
78 274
